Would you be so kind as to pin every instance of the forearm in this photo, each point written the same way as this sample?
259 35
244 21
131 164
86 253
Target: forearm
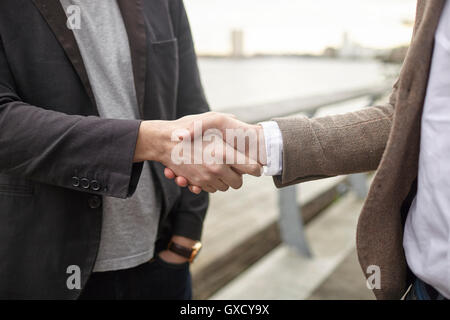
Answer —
187 223
59 149
151 142
333 145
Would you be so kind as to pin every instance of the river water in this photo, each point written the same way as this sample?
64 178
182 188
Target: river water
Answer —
243 82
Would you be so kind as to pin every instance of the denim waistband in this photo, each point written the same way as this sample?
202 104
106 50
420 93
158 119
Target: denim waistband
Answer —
424 291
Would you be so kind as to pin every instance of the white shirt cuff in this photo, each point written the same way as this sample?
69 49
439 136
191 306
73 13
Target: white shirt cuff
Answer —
274 148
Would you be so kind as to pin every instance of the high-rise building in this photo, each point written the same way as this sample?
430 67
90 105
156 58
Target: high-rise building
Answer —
237 43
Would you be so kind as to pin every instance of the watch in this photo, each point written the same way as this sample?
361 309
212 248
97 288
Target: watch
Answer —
186 252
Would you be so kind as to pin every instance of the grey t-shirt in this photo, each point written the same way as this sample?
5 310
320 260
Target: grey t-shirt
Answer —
129 226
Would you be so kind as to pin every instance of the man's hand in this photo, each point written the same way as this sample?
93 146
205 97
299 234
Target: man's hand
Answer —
237 134
157 141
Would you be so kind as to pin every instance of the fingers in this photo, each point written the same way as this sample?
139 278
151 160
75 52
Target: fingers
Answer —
169 174
244 165
255 170
210 189
215 176
220 185
212 177
225 178
195 189
181 181
216 120
232 178
222 178
207 179
228 179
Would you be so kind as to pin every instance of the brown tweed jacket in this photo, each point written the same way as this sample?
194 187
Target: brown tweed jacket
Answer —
383 138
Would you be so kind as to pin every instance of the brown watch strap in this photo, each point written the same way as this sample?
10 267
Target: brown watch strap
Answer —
180 250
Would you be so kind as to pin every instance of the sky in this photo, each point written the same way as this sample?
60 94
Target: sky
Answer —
299 26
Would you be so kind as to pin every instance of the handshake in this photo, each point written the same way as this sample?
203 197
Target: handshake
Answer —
210 151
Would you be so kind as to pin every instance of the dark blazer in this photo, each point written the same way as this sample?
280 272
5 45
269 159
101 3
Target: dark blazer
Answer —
57 157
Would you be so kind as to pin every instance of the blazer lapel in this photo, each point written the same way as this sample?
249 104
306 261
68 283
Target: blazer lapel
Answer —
132 14
54 14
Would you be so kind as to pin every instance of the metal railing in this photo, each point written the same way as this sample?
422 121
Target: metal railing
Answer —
290 219
288 227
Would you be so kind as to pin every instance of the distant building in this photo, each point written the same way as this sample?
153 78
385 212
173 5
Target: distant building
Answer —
237 43
351 49
330 52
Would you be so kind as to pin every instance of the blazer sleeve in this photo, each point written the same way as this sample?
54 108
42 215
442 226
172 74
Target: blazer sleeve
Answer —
59 149
191 211
334 145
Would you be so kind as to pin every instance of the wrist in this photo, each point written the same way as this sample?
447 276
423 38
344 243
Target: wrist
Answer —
262 152
173 257
152 142
183 241
274 148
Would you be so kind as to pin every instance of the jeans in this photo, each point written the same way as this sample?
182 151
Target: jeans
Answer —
422 291
155 280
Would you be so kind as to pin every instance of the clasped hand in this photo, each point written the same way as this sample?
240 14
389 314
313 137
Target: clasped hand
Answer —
207 152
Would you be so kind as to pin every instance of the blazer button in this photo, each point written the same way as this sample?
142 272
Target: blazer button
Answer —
76 182
95 185
85 183
95 202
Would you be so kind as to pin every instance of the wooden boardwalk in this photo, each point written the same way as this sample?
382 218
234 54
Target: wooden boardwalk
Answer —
331 273
241 227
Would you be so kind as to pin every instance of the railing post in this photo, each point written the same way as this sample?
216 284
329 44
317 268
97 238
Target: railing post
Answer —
290 218
291 222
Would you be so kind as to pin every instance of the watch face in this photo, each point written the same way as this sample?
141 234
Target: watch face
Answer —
196 250
197 247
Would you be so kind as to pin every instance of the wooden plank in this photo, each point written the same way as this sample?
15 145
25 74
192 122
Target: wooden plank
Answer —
292 276
225 259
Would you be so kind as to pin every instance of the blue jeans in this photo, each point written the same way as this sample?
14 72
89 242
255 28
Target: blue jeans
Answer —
155 280
422 291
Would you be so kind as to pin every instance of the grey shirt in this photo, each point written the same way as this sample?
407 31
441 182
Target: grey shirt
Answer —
129 226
